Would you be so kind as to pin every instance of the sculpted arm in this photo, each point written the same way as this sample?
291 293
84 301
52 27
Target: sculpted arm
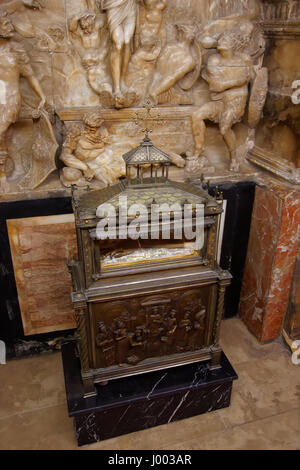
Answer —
211 32
223 84
27 72
221 77
35 85
37 88
70 160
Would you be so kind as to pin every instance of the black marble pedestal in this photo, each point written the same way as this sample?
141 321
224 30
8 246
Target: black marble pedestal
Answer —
144 401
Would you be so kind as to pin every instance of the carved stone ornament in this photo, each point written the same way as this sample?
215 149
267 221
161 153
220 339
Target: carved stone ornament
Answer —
200 64
14 64
88 155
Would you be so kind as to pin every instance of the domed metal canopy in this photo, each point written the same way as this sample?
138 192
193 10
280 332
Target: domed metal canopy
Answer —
146 153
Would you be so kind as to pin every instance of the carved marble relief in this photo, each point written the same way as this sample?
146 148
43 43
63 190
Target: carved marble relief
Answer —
39 247
203 60
277 139
288 10
28 142
88 155
228 73
14 63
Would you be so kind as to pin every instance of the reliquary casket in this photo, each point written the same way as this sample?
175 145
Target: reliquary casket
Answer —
152 302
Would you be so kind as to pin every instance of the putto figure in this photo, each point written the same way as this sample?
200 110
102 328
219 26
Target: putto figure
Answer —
14 63
87 155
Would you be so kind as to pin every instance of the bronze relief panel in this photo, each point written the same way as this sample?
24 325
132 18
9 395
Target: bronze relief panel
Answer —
131 331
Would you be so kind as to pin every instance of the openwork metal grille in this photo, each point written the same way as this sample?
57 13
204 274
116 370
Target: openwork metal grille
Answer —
168 194
145 153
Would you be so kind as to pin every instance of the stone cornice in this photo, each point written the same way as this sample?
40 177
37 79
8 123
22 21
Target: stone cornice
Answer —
274 164
281 29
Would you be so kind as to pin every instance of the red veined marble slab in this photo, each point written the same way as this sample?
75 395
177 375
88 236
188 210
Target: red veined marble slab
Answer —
272 252
40 247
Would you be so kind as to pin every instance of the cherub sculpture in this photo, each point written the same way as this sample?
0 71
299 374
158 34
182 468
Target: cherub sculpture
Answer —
87 155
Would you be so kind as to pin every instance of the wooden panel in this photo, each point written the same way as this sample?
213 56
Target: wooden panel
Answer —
40 247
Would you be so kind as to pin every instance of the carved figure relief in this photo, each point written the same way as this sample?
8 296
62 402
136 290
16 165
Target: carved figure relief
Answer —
121 339
280 10
176 61
151 25
121 18
105 342
150 36
90 37
169 324
87 155
228 73
135 52
14 63
116 54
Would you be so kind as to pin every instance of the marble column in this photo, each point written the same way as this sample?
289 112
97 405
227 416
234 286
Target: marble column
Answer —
272 251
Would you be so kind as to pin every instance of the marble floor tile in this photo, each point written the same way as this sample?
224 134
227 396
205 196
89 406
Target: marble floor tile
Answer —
239 411
264 388
240 345
45 429
31 383
279 432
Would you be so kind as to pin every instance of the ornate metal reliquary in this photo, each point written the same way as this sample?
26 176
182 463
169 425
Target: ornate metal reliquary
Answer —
148 303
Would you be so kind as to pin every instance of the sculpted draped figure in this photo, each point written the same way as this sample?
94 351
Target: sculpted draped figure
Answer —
14 63
121 18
